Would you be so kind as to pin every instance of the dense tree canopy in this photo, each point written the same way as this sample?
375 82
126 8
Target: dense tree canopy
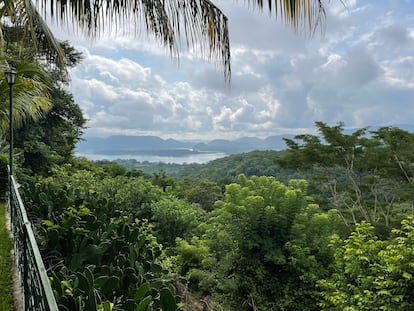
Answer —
371 274
263 245
51 140
366 175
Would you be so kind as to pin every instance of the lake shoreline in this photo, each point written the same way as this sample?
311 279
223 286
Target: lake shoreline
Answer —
155 157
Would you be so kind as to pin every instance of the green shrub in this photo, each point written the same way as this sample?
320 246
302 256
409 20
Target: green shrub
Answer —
3 175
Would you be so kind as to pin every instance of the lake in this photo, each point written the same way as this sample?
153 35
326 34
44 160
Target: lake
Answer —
182 159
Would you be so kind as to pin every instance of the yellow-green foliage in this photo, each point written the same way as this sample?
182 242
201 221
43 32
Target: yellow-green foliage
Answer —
372 274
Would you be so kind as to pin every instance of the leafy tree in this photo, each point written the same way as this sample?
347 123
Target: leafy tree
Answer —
49 141
204 192
52 140
161 180
173 218
246 236
112 168
371 274
365 175
310 255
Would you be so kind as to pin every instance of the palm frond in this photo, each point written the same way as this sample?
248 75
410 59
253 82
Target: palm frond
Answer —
30 96
300 14
202 23
35 32
4 145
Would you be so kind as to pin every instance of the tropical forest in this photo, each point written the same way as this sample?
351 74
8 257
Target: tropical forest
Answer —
325 224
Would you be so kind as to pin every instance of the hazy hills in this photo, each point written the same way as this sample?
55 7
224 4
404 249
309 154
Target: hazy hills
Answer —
120 144
154 145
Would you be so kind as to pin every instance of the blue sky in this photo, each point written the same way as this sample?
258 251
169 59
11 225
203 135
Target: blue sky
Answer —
361 72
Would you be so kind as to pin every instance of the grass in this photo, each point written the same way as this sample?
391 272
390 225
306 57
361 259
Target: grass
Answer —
6 264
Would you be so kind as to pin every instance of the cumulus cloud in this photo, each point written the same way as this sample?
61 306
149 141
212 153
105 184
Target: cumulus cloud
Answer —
360 72
399 72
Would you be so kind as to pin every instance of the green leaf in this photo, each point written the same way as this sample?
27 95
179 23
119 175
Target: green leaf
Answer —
89 276
144 303
168 300
142 290
49 224
91 301
83 283
100 281
156 268
129 305
76 261
108 306
132 254
111 285
56 286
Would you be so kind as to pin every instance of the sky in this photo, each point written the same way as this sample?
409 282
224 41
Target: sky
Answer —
360 72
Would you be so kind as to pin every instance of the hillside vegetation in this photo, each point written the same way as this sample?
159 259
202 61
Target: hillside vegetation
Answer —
324 225
260 163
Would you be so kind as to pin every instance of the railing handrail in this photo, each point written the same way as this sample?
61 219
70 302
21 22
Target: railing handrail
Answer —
25 225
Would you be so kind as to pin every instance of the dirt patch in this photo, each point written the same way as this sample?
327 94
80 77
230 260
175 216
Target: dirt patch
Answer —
192 303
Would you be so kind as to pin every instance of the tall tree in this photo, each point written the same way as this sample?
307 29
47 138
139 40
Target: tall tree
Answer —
51 141
366 175
247 234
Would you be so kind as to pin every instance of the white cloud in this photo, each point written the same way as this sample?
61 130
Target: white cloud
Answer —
399 72
360 72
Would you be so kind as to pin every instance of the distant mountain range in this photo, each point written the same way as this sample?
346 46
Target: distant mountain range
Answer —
154 145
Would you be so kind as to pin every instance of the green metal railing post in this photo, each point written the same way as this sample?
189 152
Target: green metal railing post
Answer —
25 265
36 288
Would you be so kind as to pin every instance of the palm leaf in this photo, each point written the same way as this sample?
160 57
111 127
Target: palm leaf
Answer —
29 30
298 13
30 95
202 24
33 32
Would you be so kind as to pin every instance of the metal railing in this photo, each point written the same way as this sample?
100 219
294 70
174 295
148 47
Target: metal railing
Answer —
36 290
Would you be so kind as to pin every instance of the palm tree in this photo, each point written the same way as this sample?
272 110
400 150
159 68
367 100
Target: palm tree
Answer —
30 100
202 23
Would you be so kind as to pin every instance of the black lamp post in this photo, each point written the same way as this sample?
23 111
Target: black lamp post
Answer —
11 78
